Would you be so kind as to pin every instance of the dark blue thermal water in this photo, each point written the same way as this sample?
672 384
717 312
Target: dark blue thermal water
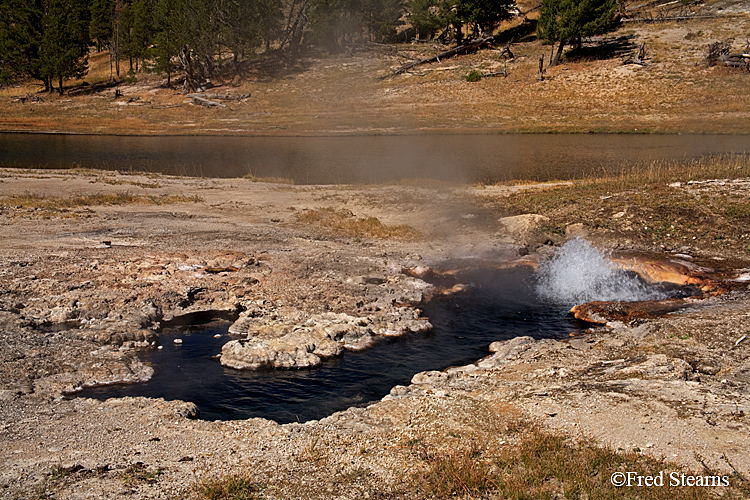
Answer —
498 305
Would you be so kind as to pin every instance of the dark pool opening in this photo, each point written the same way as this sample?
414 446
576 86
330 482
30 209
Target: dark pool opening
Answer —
497 305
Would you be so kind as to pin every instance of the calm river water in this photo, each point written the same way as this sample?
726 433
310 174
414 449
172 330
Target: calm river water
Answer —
368 159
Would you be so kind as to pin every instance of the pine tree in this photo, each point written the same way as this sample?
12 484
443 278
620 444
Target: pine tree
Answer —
137 19
381 18
427 17
481 16
484 16
21 31
166 39
103 30
100 28
65 40
565 21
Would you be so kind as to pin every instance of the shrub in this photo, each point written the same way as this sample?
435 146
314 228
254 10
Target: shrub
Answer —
473 76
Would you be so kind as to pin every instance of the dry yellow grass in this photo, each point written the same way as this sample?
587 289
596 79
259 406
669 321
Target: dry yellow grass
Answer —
652 203
35 201
344 223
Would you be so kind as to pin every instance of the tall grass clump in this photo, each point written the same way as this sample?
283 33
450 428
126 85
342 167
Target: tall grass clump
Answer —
229 487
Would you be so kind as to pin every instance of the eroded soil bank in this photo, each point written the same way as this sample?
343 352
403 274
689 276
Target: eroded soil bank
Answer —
88 279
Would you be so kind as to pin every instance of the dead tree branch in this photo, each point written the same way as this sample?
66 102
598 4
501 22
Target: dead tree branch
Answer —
719 53
220 97
638 58
205 102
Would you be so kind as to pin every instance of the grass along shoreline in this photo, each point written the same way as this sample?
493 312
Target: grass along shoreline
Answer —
701 204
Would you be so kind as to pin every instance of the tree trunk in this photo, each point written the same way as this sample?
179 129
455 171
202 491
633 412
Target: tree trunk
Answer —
187 64
237 66
61 85
558 54
540 75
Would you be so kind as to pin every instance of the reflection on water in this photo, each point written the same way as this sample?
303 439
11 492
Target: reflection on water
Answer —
376 159
500 305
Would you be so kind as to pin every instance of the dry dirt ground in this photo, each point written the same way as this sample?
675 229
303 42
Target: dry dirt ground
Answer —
593 91
674 386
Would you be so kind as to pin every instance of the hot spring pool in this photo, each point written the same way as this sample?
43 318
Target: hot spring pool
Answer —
499 304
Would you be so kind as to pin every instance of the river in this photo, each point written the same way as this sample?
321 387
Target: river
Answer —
364 159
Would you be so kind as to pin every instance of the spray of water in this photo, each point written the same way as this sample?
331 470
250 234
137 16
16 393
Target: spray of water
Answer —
579 273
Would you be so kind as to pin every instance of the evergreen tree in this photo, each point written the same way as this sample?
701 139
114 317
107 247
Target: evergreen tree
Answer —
565 21
166 39
481 16
484 16
246 24
334 23
381 18
137 27
21 31
428 16
65 40
105 30
100 28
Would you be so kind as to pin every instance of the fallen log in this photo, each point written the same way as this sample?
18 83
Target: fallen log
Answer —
467 47
220 97
735 60
664 19
205 102
28 97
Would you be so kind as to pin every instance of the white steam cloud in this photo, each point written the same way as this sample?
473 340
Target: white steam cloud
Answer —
579 273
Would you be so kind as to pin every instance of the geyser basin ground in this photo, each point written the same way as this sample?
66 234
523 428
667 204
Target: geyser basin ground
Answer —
677 383
498 304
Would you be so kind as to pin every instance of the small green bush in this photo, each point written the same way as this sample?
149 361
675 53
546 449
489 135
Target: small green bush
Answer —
473 76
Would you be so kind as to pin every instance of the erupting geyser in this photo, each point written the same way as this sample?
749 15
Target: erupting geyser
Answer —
579 273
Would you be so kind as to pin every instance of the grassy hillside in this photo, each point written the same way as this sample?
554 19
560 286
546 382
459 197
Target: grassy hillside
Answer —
592 91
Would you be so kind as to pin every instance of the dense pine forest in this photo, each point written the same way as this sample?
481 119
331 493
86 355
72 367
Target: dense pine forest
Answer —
49 40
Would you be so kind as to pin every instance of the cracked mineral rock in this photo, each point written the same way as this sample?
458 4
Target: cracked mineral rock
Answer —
295 341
